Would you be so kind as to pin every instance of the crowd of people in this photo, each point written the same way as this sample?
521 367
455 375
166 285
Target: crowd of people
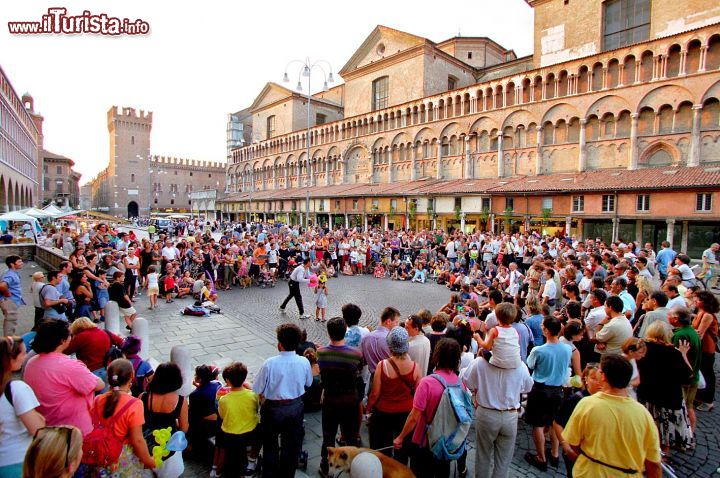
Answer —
605 350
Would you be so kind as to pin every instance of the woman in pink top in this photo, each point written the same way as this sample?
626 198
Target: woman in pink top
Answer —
63 386
446 358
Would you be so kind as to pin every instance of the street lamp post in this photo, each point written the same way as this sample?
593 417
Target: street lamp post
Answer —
306 71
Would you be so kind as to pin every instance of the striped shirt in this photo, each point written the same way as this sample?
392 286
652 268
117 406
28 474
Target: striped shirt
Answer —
340 367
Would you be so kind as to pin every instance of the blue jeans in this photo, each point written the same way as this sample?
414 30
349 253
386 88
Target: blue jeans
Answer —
283 420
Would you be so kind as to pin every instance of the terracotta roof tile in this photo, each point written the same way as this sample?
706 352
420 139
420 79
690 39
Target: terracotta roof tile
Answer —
600 180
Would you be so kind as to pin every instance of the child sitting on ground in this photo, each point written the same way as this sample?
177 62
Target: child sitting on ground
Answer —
503 340
238 410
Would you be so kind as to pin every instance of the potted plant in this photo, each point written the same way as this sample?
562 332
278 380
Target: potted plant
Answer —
507 216
546 213
458 212
412 208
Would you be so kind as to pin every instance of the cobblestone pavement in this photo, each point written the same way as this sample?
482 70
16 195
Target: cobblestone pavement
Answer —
245 331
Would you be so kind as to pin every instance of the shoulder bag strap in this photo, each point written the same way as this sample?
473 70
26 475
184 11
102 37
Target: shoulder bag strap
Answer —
111 421
629 471
8 393
400 376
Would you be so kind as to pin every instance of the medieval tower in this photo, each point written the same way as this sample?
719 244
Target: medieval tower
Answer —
129 182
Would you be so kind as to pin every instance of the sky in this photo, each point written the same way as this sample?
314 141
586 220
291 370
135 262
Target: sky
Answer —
203 60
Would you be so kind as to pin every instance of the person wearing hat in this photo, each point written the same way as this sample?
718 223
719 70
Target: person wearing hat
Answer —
391 399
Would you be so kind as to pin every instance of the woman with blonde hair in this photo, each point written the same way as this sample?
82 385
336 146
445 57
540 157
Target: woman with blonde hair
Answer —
55 452
645 289
18 418
91 344
663 371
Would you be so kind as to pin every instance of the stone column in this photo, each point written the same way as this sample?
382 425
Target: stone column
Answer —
694 158
141 330
347 222
670 235
703 58
181 356
684 238
492 223
299 174
274 177
467 173
462 221
638 230
500 155
568 225
615 227
286 172
386 222
365 221
438 167
633 141
413 163
287 218
538 150
112 317
683 63
327 171
582 156
580 227
390 165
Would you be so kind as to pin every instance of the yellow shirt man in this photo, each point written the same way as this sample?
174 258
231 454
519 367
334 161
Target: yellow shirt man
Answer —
614 430
239 411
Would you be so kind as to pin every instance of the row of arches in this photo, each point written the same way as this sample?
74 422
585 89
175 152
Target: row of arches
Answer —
13 195
641 66
666 110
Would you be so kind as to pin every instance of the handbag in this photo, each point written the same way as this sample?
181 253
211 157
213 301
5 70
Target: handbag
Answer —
702 384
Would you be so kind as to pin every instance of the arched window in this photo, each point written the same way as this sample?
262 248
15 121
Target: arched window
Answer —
380 93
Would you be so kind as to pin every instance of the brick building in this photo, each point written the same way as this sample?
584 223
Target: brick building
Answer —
135 182
20 142
431 135
61 183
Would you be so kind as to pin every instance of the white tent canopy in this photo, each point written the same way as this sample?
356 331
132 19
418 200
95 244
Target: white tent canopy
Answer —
52 210
37 213
17 216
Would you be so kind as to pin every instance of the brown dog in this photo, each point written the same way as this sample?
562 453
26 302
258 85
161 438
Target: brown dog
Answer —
340 459
245 282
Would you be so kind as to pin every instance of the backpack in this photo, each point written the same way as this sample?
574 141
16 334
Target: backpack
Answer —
447 433
139 383
102 447
197 311
8 393
113 352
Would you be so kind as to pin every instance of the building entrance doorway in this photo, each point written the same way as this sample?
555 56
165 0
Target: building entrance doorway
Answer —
133 209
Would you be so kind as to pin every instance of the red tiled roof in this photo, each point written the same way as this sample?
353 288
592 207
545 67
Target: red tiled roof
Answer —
616 180
600 180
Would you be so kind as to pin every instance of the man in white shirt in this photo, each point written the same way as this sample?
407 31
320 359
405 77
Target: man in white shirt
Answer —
597 312
615 331
549 290
675 298
419 350
497 393
297 277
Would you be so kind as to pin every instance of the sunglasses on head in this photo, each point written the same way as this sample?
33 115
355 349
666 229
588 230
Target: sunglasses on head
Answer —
68 438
